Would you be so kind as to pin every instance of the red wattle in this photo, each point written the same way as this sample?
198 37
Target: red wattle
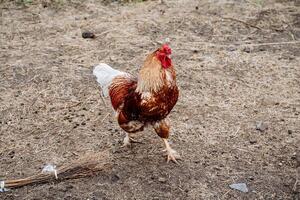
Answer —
166 62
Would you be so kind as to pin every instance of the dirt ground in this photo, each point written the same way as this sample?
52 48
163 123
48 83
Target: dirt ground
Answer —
237 64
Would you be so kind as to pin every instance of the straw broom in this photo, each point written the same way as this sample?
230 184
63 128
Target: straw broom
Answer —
88 165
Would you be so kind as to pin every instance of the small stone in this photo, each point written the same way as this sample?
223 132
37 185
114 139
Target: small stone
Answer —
185 118
231 48
298 159
253 141
247 50
11 154
261 126
88 34
162 179
294 156
240 187
115 178
262 48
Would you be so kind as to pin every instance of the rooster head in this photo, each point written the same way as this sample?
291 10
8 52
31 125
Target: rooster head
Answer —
163 55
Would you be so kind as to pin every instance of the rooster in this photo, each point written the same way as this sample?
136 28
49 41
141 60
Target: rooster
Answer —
143 100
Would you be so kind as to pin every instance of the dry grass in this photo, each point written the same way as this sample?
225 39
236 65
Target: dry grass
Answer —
230 74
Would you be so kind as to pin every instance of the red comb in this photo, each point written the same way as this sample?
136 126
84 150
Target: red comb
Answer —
166 49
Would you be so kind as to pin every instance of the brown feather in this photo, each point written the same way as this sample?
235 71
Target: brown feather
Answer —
150 77
119 88
162 128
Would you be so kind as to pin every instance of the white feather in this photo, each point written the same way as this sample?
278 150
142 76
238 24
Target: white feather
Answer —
105 74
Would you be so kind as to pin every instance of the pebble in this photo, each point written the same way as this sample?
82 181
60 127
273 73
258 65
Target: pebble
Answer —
240 187
231 48
162 179
115 178
252 141
261 126
247 50
88 34
298 159
262 48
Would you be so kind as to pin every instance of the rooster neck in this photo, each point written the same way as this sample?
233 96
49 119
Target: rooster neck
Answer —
153 77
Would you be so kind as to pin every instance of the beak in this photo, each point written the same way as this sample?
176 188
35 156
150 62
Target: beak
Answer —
169 56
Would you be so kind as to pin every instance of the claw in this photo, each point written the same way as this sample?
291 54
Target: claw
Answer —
172 155
128 140
134 141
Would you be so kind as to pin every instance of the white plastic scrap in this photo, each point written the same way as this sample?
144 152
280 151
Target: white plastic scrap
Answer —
50 168
2 187
239 186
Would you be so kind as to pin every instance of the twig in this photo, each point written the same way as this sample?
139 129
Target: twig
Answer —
239 44
74 105
243 22
274 43
296 183
236 132
102 98
105 117
225 194
295 186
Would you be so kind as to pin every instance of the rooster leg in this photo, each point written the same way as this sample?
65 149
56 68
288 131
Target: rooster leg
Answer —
171 153
128 140
162 128
130 127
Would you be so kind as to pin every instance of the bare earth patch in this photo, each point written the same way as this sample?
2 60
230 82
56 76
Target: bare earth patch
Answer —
237 64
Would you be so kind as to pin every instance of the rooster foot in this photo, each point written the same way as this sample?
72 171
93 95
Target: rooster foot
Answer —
128 140
172 155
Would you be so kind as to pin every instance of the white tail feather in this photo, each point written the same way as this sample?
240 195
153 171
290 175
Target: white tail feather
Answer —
105 74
